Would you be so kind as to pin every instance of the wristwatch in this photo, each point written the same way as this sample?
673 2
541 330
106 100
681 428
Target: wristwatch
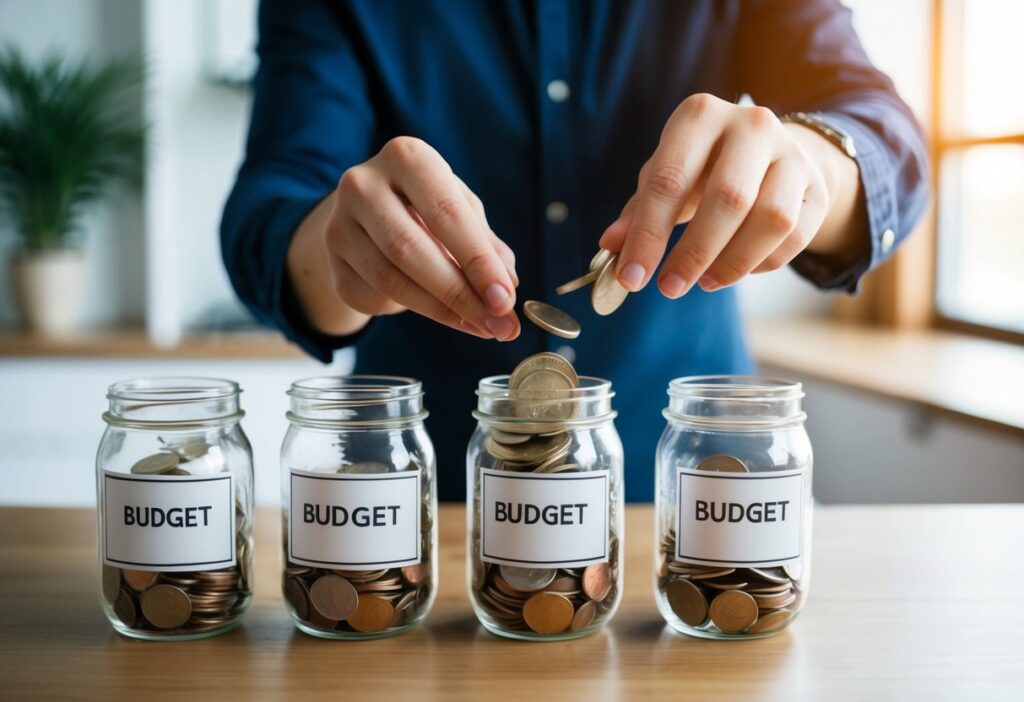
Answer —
816 122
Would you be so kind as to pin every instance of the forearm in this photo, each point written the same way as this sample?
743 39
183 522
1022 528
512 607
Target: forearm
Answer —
310 276
845 233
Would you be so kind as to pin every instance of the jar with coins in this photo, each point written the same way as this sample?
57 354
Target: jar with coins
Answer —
545 500
733 507
174 483
357 471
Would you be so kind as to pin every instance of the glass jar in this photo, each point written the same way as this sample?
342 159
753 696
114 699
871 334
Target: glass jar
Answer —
357 480
174 485
733 507
544 510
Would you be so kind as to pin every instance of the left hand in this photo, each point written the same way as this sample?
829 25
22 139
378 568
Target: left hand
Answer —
753 196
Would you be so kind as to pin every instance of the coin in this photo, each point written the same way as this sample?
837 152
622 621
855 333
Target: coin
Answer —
723 464
372 614
597 581
415 574
771 621
124 608
191 450
548 613
538 449
166 606
508 438
687 602
365 468
583 617
334 597
527 579
156 464
542 361
607 295
110 579
577 283
296 594
139 580
551 319
733 611
599 259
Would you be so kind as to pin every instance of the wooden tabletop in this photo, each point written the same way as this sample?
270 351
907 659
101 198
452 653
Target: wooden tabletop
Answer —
905 601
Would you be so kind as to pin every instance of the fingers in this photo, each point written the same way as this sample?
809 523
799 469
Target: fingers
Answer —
615 235
437 195
771 220
812 214
666 185
730 192
366 277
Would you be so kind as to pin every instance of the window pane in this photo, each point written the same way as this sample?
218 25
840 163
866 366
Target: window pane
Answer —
981 234
993 69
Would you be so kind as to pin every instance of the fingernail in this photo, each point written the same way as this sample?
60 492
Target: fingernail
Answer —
479 331
708 284
632 274
499 326
495 294
673 286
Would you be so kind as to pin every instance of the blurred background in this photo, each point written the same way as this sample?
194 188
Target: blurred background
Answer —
928 361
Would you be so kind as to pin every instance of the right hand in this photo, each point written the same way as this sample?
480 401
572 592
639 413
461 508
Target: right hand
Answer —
406 233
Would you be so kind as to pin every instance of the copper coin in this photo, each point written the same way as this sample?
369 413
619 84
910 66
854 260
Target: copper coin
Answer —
415 574
771 621
334 597
124 608
319 621
372 614
139 580
296 594
166 606
110 579
548 613
584 616
597 581
733 611
687 601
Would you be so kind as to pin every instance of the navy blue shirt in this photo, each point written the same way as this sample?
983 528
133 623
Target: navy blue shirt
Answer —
336 80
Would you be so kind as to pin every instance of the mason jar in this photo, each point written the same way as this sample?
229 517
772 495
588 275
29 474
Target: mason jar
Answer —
733 507
544 509
357 482
174 483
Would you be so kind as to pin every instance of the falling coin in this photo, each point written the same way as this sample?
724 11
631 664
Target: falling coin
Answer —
607 295
687 602
577 283
334 597
542 361
548 613
166 606
551 319
723 464
372 614
156 464
733 611
527 579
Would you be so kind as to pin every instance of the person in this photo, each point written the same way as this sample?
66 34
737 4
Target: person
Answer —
415 170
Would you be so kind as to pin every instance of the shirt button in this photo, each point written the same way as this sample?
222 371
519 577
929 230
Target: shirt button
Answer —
558 91
567 352
556 212
888 239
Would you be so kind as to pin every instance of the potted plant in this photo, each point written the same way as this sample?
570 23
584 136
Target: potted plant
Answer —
67 132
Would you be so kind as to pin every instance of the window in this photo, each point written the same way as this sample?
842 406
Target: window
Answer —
979 160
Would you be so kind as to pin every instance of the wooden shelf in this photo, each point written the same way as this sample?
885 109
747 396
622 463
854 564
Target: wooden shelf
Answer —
134 343
965 377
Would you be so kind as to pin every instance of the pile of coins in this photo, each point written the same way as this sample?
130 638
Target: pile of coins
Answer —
182 603
542 600
362 602
734 600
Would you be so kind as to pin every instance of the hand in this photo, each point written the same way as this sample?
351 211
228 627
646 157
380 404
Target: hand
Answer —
406 233
753 196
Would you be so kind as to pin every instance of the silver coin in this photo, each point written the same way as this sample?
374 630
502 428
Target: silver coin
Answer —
508 438
191 450
599 259
156 464
577 283
607 295
536 450
538 361
527 579
551 319
723 464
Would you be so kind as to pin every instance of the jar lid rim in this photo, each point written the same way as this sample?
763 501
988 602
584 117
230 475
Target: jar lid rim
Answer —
722 385
356 387
172 389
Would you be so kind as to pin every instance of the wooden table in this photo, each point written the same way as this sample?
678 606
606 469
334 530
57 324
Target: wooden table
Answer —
905 601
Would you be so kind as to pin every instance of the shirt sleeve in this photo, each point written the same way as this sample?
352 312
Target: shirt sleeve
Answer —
803 55
311 119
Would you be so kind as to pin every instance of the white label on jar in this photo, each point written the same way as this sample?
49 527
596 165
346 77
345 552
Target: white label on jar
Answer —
168 523
544 520
354 521
739 519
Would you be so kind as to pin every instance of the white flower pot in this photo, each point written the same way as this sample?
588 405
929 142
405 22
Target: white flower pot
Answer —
48 289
